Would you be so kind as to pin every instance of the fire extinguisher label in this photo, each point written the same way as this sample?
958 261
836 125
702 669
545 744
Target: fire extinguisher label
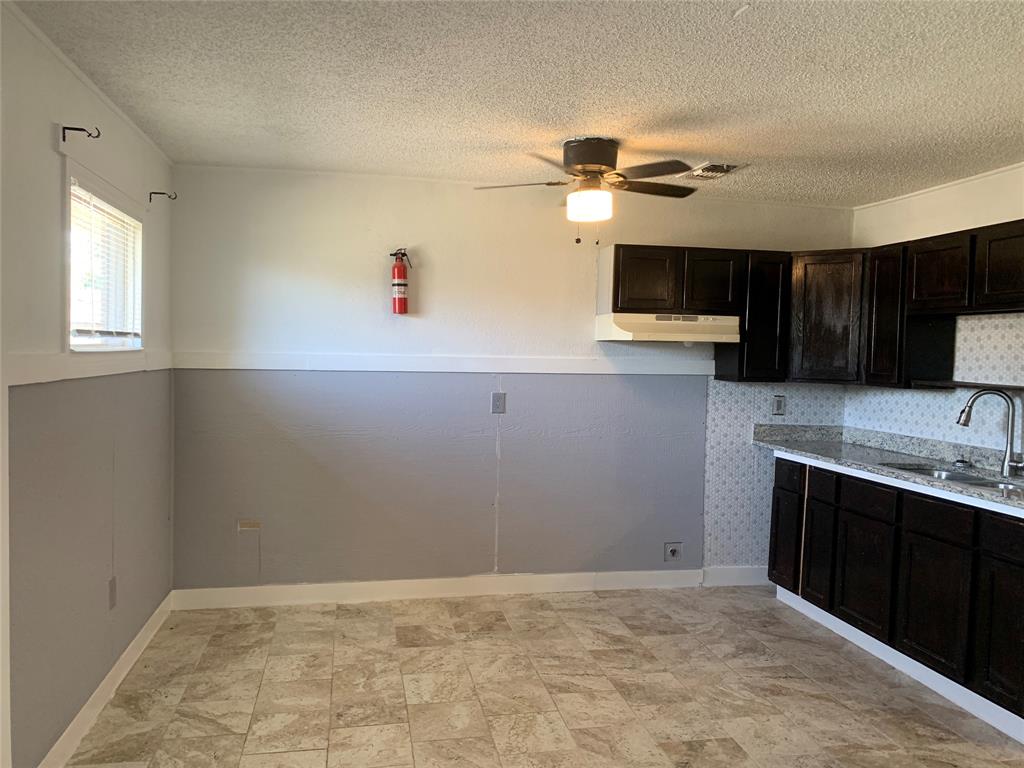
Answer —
399 290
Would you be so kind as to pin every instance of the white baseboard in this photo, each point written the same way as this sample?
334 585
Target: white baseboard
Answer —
982 708
405 589
736 576
68 742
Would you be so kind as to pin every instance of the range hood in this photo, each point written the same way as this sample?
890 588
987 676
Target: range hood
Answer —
629 326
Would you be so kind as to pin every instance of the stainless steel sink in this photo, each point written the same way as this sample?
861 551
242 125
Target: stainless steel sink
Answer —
909 467
930 470
952 476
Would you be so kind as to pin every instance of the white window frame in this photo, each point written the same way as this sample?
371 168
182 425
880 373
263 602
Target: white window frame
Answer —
107 192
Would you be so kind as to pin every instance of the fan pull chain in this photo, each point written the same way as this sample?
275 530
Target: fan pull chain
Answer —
578 238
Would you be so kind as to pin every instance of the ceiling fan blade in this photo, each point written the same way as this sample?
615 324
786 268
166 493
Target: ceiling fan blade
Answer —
650 170
653 188
531 184
548 160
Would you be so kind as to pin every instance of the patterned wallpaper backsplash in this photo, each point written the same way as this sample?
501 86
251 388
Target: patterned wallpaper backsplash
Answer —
989 349
738 476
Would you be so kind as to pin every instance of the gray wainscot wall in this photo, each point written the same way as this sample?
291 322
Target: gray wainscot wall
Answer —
367 475
90 463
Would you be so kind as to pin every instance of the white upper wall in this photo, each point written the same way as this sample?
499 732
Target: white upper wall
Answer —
290 269
988 198
41 88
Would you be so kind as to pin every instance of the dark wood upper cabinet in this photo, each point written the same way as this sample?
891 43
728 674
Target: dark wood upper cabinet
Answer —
939 273
763 351
714 281
826 316
998 659
648 278
999 267
882 321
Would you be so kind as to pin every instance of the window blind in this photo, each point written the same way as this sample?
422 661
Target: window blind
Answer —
105 274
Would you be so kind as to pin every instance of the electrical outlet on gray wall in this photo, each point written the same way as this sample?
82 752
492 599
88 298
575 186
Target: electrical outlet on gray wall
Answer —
497 402
673 550
778 405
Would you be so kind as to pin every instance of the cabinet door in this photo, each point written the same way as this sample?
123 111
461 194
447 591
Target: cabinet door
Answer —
933 603
999 633
999 267
784 545
647 278
826 316
766 324
819 550
883 316
938 273
865 549
714 281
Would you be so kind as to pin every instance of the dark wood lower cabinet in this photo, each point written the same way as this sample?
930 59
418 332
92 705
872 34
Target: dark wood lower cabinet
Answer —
865 551
819 553
998 658
784 545
933 603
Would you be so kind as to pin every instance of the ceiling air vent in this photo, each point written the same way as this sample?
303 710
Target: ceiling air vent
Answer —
711 171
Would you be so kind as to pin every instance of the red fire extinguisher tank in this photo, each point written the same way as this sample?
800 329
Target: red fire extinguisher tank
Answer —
400 282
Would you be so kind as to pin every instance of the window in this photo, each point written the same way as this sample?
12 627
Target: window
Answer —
105 274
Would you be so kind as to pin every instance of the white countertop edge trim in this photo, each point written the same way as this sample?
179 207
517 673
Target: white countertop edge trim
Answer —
983 709
926 490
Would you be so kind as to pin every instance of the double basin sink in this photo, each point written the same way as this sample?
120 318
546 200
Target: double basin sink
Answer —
953 476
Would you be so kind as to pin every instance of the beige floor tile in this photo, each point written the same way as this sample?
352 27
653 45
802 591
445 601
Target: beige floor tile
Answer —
593 709
287 732
374 746
371 708
308 759
209 752
521 734
454 720
420 660
627 745
434 687
291 643
457 753
424 635
643 688
708 753
490 666
770 736
304 666
241 684
234 657
481 623
569 683
210 718
136 741
294 696
508 697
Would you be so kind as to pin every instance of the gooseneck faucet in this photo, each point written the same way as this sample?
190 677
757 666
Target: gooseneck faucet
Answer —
964 420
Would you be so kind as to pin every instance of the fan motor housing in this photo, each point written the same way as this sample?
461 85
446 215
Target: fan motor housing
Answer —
590 154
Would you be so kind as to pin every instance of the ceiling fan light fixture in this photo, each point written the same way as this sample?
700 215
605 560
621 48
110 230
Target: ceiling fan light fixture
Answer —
588 204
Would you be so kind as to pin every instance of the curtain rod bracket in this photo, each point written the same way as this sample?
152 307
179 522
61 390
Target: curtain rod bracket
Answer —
168 195
93 134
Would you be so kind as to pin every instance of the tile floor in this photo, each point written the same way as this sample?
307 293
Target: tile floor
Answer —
701 678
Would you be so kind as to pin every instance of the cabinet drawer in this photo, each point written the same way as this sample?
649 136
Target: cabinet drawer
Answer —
822 485
939 519
789 475
1002 536
869 499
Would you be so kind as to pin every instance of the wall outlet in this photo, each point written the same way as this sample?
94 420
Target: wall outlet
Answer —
497 402
249 525
112 593
778 405
673 550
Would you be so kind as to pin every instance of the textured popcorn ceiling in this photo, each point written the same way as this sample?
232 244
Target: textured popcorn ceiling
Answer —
831 103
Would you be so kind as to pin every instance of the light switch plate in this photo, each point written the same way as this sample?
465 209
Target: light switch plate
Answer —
778 405
497 402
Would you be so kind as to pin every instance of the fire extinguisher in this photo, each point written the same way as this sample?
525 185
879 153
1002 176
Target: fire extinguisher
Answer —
400 282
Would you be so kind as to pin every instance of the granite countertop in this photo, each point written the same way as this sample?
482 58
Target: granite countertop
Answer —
829 444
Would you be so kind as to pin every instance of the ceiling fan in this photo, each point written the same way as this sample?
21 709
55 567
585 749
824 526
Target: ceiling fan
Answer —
590 161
